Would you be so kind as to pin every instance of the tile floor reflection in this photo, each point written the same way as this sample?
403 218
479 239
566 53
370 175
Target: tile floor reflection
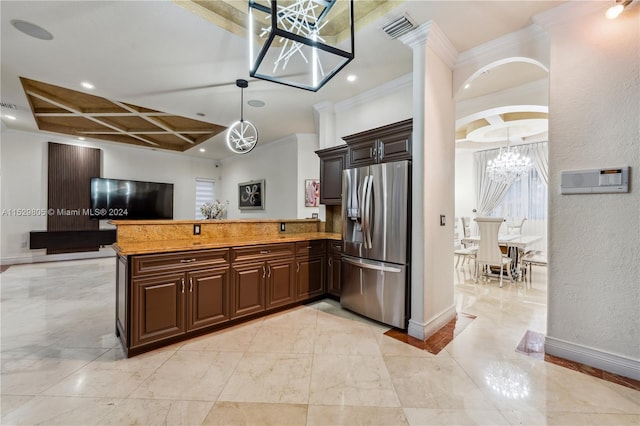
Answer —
314 365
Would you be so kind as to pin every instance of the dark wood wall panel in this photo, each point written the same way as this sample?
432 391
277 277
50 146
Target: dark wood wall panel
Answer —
70 171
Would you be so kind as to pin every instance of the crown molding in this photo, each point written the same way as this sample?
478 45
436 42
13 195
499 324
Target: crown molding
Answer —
532 33
378 92
324 106
430 34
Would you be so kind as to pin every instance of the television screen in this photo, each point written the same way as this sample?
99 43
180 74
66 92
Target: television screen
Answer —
130 199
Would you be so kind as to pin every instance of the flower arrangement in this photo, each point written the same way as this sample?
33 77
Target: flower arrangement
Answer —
213 210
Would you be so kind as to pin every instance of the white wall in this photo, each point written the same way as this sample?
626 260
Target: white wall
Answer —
24 182
276 163
594 268
387 104
308 168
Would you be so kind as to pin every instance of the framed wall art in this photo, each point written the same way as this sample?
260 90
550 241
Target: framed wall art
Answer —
311 192
251 195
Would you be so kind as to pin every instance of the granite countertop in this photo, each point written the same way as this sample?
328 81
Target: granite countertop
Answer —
149 247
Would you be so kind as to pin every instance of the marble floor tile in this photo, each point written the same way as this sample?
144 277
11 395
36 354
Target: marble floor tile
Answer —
278 339
258 414
351 380
197 376
434 383
54 410
315 364
358 340
441 417
157 412
90 382
270 377
322 415
234 339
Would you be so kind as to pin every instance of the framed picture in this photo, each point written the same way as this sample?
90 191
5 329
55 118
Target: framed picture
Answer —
251 195
311 192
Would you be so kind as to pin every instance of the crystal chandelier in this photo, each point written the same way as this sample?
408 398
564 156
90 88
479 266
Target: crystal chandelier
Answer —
509 166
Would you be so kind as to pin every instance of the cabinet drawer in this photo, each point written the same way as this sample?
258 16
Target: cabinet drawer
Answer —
306 248
261 252
335 247
163 262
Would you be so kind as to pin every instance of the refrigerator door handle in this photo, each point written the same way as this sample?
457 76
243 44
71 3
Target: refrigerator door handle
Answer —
367 204
364 220
367 265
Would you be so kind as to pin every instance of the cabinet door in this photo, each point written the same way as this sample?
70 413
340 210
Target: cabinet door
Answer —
281 282
208 301
332 164
157 308
310 277
363 153
395 147
247 289
334 275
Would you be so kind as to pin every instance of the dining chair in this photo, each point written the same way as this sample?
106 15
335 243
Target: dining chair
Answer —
489 253
537 258
516 228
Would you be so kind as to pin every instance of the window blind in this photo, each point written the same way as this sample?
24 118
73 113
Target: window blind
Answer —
205 193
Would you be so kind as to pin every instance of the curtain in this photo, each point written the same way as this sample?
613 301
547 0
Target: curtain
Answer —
539 154
489 193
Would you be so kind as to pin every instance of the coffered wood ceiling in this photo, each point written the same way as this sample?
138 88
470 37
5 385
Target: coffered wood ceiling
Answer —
61 110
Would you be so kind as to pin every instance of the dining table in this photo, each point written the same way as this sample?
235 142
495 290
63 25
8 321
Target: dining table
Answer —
514 246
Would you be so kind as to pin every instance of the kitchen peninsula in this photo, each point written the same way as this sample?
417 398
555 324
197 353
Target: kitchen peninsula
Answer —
176 279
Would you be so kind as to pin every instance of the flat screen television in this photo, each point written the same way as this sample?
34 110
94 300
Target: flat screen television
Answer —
130 199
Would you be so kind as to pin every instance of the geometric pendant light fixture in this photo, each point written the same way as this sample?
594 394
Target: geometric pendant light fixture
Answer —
242 136
300 43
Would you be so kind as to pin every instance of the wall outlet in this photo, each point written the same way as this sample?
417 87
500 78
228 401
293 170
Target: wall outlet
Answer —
281 226
196 229
443 220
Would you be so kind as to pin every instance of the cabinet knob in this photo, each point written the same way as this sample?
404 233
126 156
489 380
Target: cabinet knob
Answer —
297 266
265 251
190 284
264 272
269 269
182 285
330 261
187 260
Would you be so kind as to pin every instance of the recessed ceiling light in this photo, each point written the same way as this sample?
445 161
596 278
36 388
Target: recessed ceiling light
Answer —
351 78
32 30
466 86
87 85
202 149
9 117
256 103
200 114
81 138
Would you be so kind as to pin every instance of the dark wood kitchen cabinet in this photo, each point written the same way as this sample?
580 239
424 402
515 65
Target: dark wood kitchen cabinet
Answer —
310 270
163 298
334 268
264 278
380 145
332 162
172 294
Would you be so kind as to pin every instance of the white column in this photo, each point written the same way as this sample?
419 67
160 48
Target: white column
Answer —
433 166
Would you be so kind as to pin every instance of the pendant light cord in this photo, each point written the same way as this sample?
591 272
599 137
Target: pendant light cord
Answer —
242 104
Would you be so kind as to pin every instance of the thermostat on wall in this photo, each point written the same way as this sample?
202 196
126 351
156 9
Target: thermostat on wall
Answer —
597 181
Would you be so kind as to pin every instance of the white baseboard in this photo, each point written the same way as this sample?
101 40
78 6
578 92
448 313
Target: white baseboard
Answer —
41 257
616 364
423 331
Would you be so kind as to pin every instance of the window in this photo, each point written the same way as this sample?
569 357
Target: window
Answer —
205 193
525 198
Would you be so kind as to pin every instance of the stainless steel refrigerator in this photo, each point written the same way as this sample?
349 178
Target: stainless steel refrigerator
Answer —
375 232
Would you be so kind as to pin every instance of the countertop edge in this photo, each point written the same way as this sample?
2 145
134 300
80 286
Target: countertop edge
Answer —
152 247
